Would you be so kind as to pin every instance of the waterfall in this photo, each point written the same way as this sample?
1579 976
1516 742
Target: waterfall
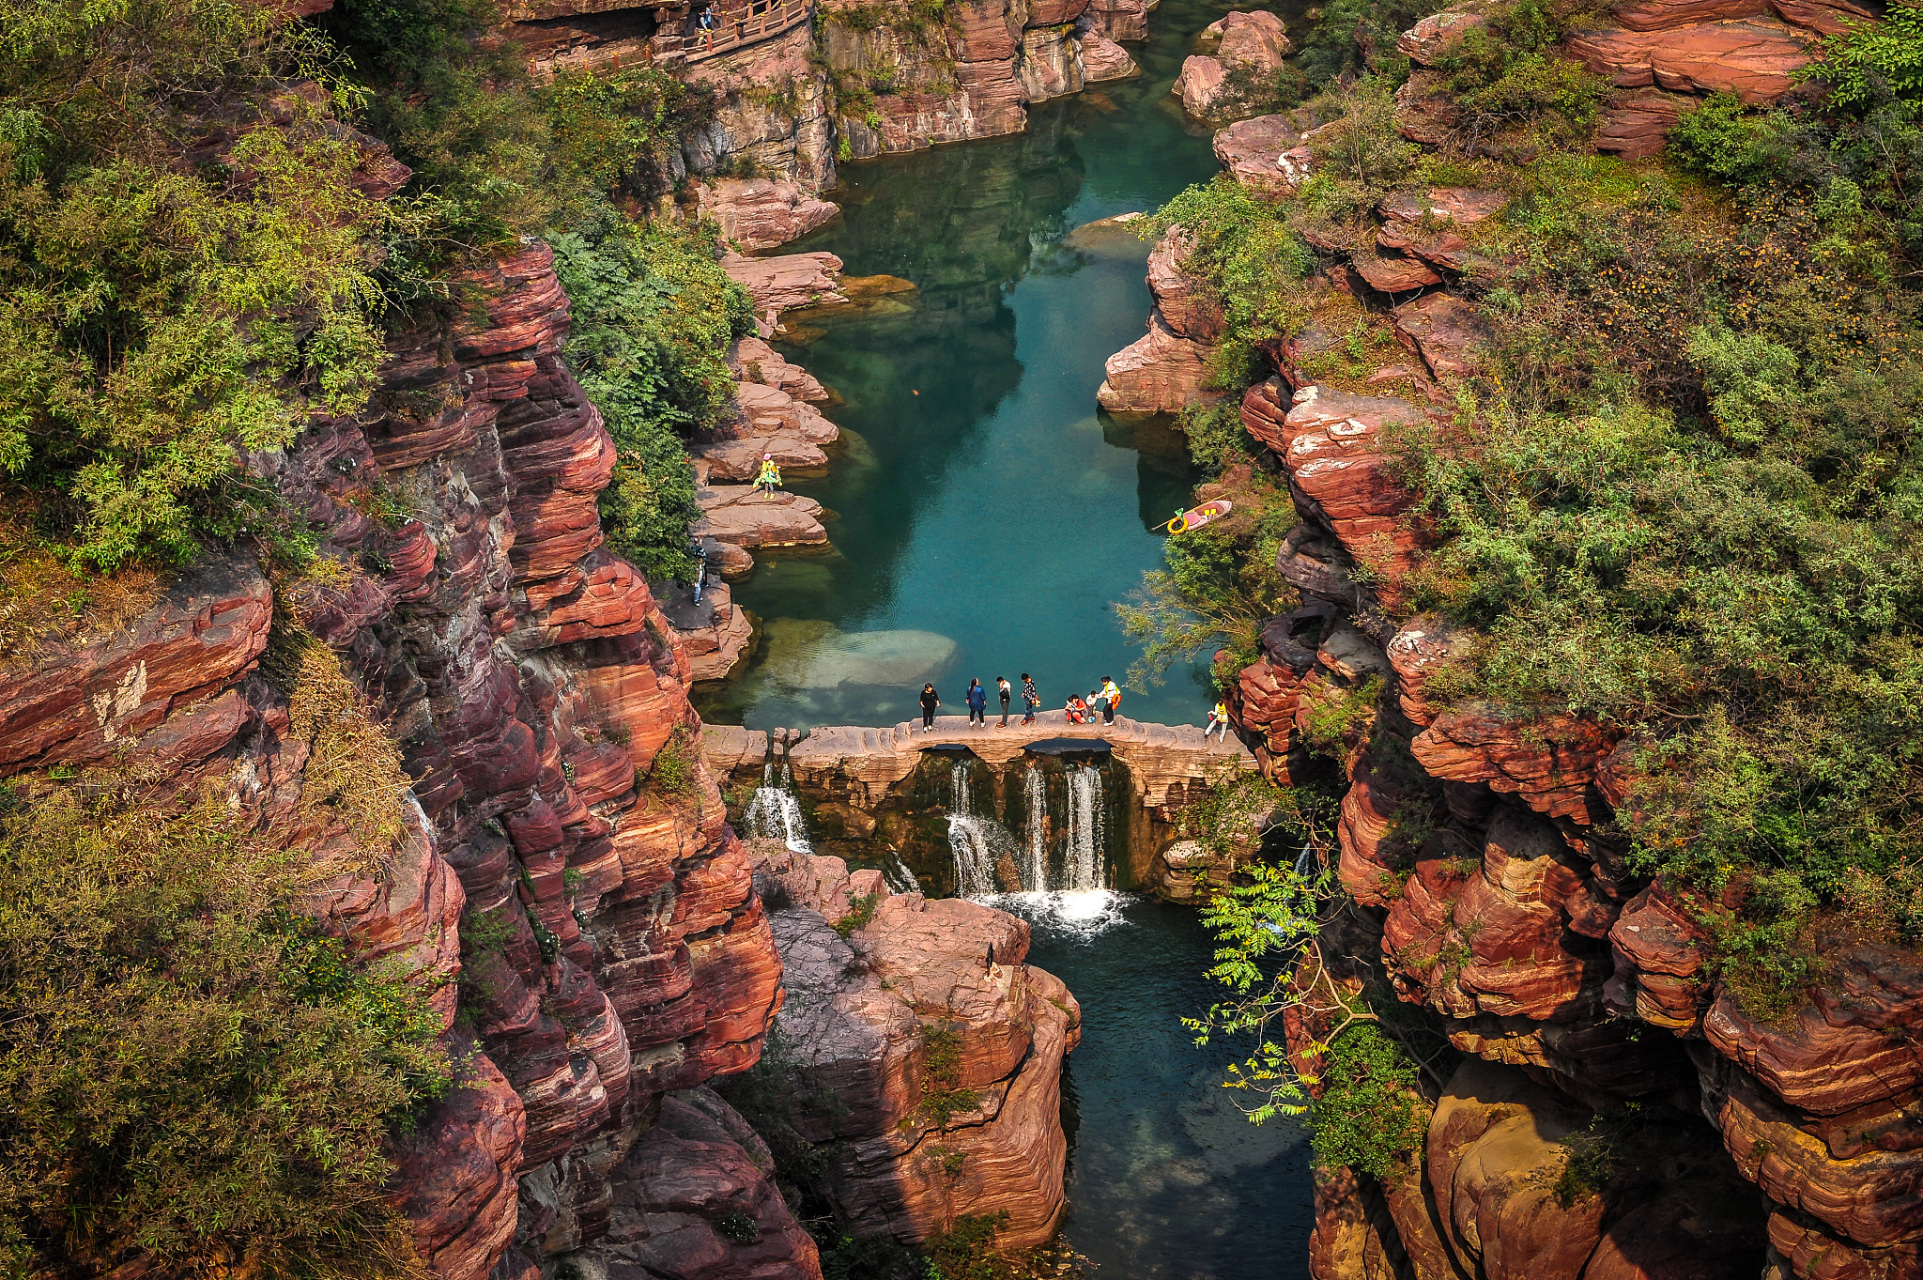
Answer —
973 841
1035 866
774 812
1084 862
958 786
899 877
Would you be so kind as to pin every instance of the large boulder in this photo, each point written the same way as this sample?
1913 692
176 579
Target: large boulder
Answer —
924 1054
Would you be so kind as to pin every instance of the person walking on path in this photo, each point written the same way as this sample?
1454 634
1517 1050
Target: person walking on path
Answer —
706 23
977 704
1111 699
1030 699
929 701
1002 689
1218 719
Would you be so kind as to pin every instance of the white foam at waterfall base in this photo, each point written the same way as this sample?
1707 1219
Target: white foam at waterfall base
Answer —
774 812
1077 913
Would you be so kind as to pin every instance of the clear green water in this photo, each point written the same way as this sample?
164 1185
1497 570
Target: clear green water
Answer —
987 518
986 521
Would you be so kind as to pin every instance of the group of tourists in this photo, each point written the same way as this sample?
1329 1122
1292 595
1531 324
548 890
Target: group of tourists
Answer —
977 699
1103 701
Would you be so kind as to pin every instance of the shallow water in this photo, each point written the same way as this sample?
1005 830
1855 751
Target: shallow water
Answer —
987 517
1165 1177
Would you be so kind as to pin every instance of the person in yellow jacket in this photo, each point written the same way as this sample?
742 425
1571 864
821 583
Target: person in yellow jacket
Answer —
1218 719
769 477
1111 699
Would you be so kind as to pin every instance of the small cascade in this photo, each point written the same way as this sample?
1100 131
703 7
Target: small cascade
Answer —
774 811
900 879
1035 864
958 786
977 849
1083 864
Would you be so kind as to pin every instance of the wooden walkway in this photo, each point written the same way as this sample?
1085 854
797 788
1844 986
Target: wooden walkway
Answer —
739 28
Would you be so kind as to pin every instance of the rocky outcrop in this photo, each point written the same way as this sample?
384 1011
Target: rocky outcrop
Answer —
761 213
695 1198
1163 371
923 1057
764 422
774 117
1266 154
1246 46
913 81
533 684
1753 58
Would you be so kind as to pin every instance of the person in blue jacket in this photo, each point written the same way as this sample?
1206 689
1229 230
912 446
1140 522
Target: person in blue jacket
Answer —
977 704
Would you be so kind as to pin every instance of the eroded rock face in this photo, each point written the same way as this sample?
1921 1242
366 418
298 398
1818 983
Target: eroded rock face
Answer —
1481 844
1162 372
694 1199
760 213
970 74
1249 45
941 1047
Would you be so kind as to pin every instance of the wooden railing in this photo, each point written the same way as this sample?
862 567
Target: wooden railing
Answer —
750 23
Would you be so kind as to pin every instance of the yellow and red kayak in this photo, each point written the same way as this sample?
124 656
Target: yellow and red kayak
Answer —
1201 515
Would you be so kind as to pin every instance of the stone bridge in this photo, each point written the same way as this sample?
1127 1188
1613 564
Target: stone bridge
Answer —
866 763
861 768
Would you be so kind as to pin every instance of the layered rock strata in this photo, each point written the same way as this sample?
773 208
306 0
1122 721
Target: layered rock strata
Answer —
922 1055
1246 47
971 73
1492 887
1163 371
533 684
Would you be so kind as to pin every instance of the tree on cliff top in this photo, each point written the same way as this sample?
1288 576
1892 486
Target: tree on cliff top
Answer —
184 266
195 1077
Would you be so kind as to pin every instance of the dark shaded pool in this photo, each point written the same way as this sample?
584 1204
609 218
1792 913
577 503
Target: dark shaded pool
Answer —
987 518
1166 1179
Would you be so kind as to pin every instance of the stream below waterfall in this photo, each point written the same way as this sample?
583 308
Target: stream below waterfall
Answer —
986 518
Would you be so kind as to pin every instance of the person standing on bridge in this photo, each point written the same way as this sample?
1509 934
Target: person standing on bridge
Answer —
1218 720
929 701
1111 699
1030 699
977 704
1002 689
706 23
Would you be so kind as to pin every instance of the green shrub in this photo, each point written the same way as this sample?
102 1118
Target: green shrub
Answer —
653 317
1370 1115
942 1097
161 312
1247 255
194 1076
674 770
860 913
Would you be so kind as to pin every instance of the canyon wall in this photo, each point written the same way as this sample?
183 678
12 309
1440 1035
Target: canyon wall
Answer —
533 686
1480 848
919 1057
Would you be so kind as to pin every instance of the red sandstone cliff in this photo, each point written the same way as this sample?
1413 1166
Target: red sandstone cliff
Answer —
923 1055
532 684
1480 845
